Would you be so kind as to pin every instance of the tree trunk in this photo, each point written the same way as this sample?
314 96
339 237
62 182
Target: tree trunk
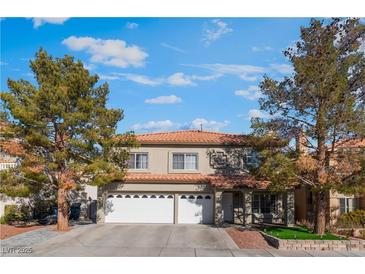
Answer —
62 216
320 214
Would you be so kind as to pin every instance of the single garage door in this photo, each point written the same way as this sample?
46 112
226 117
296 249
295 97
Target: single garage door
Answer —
140 208
195 209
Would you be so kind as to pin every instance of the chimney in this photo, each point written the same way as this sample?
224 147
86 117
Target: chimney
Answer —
301 142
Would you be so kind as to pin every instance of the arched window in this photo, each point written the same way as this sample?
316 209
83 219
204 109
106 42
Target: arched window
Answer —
135 196
170 197
144 196
161 197
153 196
191 197
111 196
127 196
208 197
199 197
119 196
183 197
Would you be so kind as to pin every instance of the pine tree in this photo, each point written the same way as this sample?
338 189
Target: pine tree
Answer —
65 134
324 100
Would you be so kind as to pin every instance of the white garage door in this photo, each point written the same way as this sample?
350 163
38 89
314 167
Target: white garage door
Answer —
140 208
195 209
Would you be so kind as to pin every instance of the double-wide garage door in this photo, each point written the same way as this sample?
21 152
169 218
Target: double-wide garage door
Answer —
159 208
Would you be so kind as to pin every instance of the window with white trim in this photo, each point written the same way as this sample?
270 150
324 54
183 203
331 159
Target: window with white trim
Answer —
185 161
250 157
348 204
264 203
138 161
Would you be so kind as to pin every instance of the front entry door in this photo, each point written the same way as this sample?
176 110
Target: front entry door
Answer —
227 203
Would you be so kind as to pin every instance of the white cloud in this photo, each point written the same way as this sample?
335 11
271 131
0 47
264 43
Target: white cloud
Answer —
252 93
168 46
154 126
263 48
131 25
209 125
180 79
108 77
282 68
108 52
176 79
168 125
169 99
141 79
245 72
137 78
256 113
3 63
216 29
206 77
89 66
39 21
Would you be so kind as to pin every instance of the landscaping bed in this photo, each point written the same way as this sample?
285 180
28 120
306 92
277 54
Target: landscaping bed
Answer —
247 239
298 238
7 231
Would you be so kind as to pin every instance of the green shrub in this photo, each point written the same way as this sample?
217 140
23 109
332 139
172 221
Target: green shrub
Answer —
2 220
42 208
14 213
353 219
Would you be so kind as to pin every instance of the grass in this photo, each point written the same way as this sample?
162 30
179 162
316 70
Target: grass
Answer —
297 233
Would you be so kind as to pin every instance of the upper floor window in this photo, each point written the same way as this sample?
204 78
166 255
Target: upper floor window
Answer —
250 158
185 161
138 161
348 204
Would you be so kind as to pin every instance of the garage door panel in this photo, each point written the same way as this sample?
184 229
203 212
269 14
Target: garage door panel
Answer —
140 208
195 209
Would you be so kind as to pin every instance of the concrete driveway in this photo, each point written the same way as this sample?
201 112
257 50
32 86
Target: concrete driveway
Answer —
143 240
139 240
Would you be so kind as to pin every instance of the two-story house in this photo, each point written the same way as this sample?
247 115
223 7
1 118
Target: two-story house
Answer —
337 203
192 177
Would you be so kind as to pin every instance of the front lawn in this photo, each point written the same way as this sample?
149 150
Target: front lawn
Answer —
297 233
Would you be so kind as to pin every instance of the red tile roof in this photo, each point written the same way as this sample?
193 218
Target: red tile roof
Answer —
191 137
217 180
351 143
171 177
7 159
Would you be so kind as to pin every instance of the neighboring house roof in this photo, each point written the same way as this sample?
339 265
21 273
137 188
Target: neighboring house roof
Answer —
7 159
218 180
351 143
191 137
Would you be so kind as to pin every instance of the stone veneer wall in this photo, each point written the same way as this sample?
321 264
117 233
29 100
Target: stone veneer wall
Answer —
339 245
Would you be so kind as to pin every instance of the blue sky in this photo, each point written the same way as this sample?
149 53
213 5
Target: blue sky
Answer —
166 73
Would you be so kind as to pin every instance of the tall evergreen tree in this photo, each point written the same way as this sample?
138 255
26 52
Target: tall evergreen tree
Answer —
65 134
324 100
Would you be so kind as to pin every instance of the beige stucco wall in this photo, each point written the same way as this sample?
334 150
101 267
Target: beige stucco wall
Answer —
335 202
160 158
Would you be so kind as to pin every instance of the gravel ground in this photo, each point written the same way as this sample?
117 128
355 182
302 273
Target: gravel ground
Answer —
247 239
7 231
